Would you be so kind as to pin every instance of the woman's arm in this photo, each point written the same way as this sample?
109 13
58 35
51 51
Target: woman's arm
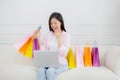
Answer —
65 45
36 34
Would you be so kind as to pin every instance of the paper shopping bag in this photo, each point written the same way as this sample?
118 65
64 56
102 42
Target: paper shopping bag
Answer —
36 44
20 43
25 46
78 57
29 50
95 56
87 56
70 59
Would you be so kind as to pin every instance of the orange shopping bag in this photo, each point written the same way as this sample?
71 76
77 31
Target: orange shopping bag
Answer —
87 56
21 42
70 59
26 48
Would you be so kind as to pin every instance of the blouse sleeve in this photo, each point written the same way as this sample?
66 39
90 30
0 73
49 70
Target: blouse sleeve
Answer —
63 50
44 43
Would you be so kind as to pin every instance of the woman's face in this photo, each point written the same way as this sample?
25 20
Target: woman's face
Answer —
55 25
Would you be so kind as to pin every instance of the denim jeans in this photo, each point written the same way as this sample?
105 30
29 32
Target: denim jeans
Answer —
50 73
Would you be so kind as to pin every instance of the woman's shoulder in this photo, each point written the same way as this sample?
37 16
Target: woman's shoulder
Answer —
49 33
66 34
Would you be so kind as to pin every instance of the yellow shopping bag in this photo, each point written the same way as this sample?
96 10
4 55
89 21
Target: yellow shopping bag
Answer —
29 50
70 59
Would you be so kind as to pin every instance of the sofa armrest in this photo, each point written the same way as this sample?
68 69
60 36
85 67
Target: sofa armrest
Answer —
112 59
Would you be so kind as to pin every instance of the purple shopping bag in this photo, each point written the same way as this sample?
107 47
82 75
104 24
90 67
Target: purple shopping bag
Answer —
95 56
36 44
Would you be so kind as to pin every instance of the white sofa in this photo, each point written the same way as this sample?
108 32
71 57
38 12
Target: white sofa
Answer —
14 66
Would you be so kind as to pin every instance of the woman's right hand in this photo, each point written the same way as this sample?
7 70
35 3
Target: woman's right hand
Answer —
36 34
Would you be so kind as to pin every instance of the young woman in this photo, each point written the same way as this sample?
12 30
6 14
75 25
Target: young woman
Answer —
56 39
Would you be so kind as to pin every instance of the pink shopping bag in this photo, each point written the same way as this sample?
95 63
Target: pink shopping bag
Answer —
78 57
20 43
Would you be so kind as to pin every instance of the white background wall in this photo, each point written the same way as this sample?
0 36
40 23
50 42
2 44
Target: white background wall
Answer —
85 20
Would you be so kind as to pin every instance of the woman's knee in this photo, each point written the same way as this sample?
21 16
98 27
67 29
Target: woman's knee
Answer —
41 70
51 71
41 74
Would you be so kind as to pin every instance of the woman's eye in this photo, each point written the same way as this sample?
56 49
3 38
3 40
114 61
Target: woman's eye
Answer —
53 23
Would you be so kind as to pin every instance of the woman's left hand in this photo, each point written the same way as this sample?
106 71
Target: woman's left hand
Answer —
59 38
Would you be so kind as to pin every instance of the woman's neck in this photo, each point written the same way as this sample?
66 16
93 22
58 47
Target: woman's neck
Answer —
58 32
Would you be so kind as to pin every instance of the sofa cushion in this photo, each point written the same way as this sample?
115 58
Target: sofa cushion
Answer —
112 59
88 73
17 72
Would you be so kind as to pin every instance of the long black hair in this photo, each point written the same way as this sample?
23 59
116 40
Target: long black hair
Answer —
57 16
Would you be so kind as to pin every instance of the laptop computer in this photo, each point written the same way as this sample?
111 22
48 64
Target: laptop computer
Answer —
46 58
